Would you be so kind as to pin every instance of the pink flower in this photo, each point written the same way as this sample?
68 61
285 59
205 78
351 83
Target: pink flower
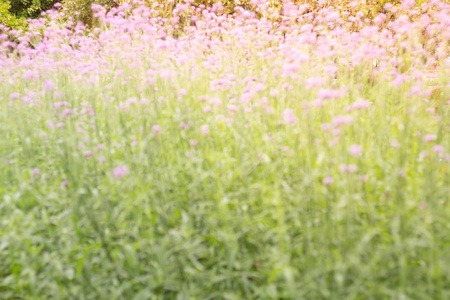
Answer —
315 81
204 129
232 108
355 150
193 143
429 137
134 143
438 148
348 168
215 101
289 116
120 171
395 144
364 178
328 180
101 159
340 120
48 85
423 154
65 183
326 126
36 171
156 129
330 93
359 104
352 168
87 154
408 4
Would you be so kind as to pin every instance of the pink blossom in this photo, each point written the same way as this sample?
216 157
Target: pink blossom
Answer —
65 183
438 148
193 143
408 4
318 103
388 6
429 137
423 154
352 168
348 168
359 104
215 101
336 131
328 180
48 85
395 144
120 171
36 171
315 81
156 129
204 129
355 150
274 93
101 159
340 120
232 108
326 126
331 93
289 116
124 106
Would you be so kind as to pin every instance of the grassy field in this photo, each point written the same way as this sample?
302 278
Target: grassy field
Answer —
234 158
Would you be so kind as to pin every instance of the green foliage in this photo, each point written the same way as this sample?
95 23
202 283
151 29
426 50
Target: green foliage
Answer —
80 10
30 8
14 12
7 18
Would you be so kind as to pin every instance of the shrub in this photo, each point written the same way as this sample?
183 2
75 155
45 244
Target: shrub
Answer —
81 10
7 18
30 8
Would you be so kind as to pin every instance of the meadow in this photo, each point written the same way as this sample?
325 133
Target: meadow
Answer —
265 154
